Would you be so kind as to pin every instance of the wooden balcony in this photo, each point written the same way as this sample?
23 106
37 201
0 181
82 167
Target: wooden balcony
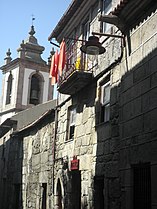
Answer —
78 72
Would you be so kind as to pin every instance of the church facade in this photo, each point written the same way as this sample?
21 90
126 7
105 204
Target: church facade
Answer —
25 79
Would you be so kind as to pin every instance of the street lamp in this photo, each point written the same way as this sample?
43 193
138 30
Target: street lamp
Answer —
92 46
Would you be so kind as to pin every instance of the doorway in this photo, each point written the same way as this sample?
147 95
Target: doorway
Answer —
99 192
59 195
76 189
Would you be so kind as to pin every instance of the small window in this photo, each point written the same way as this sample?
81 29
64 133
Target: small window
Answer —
86 30
86 34
107 5
142 186
106 8
105 102
9 89
71 123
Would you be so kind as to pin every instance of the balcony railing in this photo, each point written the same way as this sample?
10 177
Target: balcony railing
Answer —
78 69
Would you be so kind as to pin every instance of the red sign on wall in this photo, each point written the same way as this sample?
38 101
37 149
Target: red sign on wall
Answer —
75 163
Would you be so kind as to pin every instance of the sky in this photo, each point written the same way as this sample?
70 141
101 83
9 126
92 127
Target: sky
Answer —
16 20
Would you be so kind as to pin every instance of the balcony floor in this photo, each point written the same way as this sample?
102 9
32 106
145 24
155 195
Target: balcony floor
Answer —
75 82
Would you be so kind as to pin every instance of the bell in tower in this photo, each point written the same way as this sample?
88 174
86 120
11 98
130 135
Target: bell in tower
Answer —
35 89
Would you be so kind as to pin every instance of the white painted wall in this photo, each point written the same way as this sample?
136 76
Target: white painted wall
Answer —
46 86
6 116
15 74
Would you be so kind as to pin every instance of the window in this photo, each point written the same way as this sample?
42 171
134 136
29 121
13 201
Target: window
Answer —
106 8
35 90
71 122
142 186
86 34
105 102
9 89
107 5
86 30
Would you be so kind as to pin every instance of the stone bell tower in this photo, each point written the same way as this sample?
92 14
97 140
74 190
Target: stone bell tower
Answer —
25 79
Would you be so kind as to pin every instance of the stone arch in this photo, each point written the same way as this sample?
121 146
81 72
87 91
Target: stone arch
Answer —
58 192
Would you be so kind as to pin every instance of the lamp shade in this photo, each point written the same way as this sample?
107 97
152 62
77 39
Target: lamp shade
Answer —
93 46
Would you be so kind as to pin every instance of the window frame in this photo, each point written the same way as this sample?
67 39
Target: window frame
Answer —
86 29
105 10
9 89
85 36
71 123
105 104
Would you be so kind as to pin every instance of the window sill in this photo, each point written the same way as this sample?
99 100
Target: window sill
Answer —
68 140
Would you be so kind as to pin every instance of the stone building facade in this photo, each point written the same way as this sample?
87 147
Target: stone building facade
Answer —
106 136
26 159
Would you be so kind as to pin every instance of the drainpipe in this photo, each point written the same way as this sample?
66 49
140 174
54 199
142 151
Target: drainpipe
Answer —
54 142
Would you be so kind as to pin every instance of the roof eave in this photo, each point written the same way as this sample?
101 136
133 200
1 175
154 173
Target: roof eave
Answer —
65 18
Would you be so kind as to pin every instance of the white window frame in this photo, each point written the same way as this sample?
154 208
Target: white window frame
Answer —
106 10
86 29
9 89
105 103
71 122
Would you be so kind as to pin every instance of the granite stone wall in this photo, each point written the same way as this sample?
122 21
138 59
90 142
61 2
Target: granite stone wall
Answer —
27 167
107 151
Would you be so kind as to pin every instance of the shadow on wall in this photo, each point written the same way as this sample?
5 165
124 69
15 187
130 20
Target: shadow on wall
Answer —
26 165
131 135
11 157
